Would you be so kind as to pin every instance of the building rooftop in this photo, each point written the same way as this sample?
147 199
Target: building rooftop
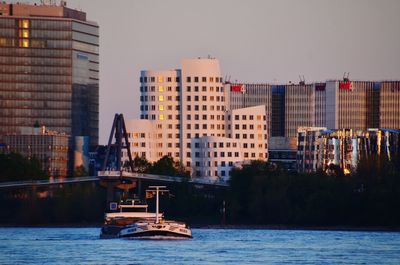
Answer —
45 9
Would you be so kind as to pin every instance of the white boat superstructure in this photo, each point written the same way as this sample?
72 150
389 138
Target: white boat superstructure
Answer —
127 213
158 228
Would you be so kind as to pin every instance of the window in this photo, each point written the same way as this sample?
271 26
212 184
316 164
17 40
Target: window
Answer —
188 89
161 107
204 79
211 79
160 79
161 116
196 79
188 79
160 89
24 23
161 98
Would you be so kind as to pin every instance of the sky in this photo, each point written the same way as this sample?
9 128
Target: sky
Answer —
271 41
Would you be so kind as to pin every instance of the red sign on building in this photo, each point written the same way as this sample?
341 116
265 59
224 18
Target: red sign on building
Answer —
237 88
346 85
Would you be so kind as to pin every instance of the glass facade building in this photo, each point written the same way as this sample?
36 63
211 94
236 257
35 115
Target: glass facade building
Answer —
49 70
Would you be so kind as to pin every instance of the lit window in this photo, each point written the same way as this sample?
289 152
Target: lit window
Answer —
160 79
24 23
161 116
24 33
24 43
161 98
161 89
161 107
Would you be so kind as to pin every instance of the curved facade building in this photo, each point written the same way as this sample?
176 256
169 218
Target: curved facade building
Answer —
186 117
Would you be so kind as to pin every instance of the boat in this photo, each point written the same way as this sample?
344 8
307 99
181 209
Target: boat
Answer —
127 212
157 228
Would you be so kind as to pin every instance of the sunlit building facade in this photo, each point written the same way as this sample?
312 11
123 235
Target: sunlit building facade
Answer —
320 148
49 70
50 148
185 115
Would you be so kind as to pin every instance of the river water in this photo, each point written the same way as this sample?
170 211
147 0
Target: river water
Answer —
209 246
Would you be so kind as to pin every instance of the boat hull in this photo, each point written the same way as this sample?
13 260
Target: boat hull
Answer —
156 231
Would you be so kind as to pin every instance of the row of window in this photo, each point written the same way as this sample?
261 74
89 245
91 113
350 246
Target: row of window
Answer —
228 154
177 89
204 98
160 79
32 61
215 164
160 89
204 89
197 79
160 98
251 127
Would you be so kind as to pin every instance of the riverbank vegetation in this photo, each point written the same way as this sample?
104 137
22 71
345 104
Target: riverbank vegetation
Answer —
263 193
15 167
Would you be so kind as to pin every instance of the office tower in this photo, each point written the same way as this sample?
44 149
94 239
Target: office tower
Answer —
49 70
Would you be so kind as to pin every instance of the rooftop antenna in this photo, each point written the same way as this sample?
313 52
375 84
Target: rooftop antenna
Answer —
346 77
302 80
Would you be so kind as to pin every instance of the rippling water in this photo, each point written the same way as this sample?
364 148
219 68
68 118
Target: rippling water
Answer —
209 246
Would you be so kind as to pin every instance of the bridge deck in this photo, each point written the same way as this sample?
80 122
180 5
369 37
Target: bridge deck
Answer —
108 175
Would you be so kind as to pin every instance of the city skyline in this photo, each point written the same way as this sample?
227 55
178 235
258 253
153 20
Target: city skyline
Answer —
255 41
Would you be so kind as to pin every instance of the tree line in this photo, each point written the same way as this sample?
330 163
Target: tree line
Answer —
164 166
15 167
265 193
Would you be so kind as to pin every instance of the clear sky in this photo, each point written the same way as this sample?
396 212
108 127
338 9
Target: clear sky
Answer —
255 41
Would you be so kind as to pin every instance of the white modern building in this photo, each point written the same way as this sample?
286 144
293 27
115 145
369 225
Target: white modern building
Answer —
185 115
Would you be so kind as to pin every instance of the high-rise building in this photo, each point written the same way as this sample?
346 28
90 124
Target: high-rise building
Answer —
49 70
186 116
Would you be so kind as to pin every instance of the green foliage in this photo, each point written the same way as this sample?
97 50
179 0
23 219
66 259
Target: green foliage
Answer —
80 172
15 167
263 194
141 165
167 166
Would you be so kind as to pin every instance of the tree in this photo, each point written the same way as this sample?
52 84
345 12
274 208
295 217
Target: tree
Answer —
141 165
164 166
15 167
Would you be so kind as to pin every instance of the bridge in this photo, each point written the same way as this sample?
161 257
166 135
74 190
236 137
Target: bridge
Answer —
110 175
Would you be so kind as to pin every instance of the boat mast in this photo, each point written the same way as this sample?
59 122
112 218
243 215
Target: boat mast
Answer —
157 190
